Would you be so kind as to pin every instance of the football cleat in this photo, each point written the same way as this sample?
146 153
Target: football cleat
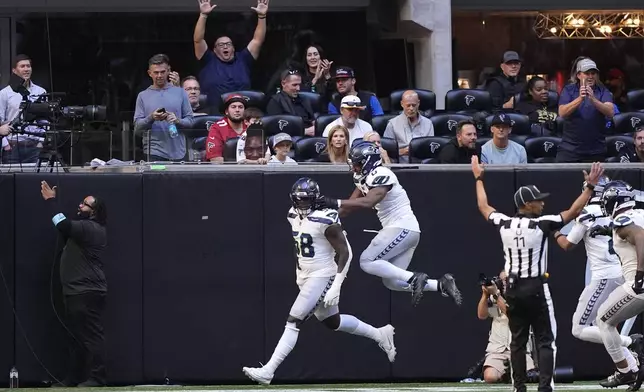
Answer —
618 378
448 288
387 341
259 375
419 280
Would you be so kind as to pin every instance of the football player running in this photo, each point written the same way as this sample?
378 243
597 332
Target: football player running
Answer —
391 251
605 267
323 257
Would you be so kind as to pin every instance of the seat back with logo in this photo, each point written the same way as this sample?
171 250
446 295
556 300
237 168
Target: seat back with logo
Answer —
255 99
230 150
542 149
314 99
197 135
446 124
308 149
426 149
617 144
379 123
468 100
427 98
322 122
635 99
520 123
626 123
391 146
293 125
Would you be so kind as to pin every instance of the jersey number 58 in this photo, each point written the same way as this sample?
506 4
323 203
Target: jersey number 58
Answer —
304 245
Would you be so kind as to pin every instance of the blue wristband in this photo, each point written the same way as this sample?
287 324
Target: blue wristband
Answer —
58 218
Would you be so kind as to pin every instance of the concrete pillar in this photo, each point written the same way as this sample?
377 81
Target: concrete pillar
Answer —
428 24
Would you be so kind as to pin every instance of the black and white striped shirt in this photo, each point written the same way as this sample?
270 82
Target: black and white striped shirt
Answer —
525 242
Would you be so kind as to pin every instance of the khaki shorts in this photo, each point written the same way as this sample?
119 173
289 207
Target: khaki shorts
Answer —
497 361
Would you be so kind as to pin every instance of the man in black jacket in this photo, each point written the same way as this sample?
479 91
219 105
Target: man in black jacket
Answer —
462 147
84 286
288 101
505 86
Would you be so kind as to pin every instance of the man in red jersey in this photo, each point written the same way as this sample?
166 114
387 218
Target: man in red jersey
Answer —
231 126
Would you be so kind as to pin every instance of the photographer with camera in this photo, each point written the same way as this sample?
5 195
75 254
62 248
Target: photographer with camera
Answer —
20 148
497 354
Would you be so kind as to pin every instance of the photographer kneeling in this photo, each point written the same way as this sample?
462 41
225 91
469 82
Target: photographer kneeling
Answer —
497 353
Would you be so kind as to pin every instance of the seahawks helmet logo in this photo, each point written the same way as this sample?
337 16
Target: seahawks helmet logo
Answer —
469 99
282 124
451 124
319 147
618 145
635 121
433 146
547 146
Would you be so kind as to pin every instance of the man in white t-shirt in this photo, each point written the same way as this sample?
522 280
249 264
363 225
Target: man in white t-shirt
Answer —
350 108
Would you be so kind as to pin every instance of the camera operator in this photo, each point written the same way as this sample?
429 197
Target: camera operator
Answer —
84 286
20 148
497 354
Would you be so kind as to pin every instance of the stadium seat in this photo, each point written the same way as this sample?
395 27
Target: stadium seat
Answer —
230 150
323 121
542 149
196 137
426 149
391 146
481 140
379 123
427 98
315 99
553 99
519 138
560 125
617 144
627 122
293 125
468 100
445 124
256 99
308 149
520 123
635 99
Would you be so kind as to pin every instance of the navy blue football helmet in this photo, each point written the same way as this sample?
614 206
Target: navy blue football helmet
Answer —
305 196
599 189
363 158
617 196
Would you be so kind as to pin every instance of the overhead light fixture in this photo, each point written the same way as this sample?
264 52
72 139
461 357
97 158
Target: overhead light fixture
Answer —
590 25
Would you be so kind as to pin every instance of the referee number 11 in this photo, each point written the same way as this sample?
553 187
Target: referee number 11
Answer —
522 239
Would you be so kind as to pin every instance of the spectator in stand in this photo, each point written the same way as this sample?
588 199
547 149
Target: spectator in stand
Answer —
288 101
408 125
337 146
637 156
374 137
345 82
616 83
585 104
282 144
253 116
500 150
461 148
157 108
317 73
223 70
193 89
534 104
505 86
350 111
231 126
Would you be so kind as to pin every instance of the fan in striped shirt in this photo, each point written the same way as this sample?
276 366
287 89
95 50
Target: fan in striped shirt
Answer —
525 243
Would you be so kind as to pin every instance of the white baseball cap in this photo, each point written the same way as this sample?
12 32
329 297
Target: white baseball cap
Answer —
351 102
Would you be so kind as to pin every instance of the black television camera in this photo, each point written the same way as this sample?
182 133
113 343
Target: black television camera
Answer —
493 281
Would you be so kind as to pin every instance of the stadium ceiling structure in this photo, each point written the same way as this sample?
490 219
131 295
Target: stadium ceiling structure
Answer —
614 25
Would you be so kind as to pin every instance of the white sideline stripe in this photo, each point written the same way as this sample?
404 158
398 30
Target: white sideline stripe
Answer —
474 387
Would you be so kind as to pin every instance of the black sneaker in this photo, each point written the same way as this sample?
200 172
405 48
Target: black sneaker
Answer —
91 383
618 378
447 287
418 282
638 382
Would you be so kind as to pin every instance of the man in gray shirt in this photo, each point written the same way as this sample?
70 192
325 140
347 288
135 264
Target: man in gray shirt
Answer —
408 125
162 109
501 150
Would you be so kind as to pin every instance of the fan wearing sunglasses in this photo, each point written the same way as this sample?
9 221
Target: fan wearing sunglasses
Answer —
84 285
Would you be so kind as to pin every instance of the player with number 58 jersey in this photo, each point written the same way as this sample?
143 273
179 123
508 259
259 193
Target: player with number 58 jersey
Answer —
390 252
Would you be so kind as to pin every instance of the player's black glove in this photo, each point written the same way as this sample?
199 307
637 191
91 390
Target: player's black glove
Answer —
327 202
600 230
639 282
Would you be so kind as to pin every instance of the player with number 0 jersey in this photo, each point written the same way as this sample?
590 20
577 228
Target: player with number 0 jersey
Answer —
390 252
323 257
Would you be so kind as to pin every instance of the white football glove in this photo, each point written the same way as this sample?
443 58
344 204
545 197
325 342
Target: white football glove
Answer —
332 297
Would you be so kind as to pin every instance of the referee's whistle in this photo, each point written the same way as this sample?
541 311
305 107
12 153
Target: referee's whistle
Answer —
546 275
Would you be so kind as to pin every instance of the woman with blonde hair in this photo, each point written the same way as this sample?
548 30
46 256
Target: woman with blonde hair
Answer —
374 137
337 146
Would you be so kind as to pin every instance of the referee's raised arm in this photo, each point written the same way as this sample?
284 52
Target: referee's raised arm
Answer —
578 205
481 196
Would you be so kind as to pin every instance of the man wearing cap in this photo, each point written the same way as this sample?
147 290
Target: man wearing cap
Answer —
288 101
345 83
584 105
282 144
525 242
501 150
504 87
231 126
350 109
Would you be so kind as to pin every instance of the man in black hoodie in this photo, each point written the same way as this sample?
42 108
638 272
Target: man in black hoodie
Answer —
288 101
504 87
462 147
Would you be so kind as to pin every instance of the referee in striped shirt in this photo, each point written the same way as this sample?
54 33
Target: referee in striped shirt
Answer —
525 243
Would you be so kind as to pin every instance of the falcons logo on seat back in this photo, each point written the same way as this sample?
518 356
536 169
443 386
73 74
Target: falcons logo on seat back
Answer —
469 99
319 147
433 146
547 146
618 145
635 121
282 124
451 124
209 124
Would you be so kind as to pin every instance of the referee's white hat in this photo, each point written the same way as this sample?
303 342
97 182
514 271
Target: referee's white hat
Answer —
528 193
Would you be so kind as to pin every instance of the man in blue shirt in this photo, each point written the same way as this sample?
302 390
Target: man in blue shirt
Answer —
585 106
223 70
345 82
500 149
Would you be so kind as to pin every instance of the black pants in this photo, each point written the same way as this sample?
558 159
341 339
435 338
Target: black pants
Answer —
84 313
530 305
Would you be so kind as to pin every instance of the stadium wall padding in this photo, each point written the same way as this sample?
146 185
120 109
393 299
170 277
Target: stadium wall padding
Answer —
201 277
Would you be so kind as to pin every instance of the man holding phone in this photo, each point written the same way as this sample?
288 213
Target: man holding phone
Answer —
162 111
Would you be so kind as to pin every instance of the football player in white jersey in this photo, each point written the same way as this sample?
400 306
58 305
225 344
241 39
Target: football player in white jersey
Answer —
606 269
626 301
391 251
323 257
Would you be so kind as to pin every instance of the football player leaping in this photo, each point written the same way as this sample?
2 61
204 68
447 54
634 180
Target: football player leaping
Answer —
391 251
318 239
